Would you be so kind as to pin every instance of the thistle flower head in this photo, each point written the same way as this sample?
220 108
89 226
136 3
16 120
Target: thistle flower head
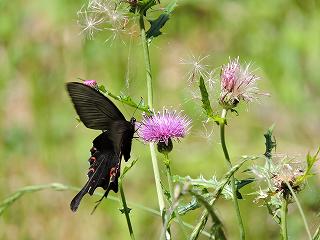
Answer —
164 126
287 175
237 83
91 83
278 174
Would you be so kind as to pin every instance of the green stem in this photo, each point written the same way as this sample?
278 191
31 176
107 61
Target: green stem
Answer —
150 103
284 211
146 61
233 185
173 199
126 210
300 210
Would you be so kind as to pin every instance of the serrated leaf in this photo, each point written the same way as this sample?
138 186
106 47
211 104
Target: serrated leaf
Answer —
212 183
127 168
270 142
310 162
193 204
206 102
157 24
240 184
126 100
217 226
102 88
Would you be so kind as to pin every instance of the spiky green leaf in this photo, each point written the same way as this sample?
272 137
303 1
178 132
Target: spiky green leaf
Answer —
127 168
307 173
217 226
206 102
157 24
127 100
270 142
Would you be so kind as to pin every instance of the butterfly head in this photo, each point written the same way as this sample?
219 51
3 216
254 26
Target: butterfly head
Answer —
133 120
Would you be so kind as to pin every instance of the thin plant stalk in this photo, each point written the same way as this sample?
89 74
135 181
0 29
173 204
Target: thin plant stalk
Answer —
284 212
300 210
150 103
126 210
233 185
173 197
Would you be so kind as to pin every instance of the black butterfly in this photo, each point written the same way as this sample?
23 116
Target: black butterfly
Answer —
97 112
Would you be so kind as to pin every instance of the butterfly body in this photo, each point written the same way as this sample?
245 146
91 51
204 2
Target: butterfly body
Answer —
97 112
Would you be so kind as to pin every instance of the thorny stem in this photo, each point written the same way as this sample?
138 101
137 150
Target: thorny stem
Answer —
150 103
173 197
300 210
284 211
233 185
126 210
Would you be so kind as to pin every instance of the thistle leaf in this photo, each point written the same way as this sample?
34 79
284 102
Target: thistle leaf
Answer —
127 100
217 226
157 24
270 142
127 168
201 182
206 102
310 162
240 184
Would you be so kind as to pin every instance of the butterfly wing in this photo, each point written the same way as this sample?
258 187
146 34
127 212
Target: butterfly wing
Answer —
104 170
121 134
94 109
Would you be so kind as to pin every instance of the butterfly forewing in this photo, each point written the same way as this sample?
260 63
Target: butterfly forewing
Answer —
94 109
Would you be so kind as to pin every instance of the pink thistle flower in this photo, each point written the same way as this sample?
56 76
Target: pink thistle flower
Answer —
237 83
91 83
164 126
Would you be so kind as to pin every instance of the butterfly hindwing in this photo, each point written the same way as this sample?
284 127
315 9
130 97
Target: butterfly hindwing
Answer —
94 109
103 172
121 134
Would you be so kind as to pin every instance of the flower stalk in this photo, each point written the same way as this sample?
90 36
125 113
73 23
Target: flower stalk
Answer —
284 212
150 103
233 185
174 198
300 210
126 210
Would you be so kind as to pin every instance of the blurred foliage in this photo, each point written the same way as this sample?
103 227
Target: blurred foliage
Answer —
41 49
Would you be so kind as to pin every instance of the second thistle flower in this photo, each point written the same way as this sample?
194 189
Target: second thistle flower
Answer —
237 83
162 127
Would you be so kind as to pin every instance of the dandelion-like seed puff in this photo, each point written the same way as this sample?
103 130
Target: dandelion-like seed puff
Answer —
104 15
162 127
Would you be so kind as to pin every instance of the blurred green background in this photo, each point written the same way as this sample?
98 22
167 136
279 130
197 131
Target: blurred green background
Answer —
41 49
